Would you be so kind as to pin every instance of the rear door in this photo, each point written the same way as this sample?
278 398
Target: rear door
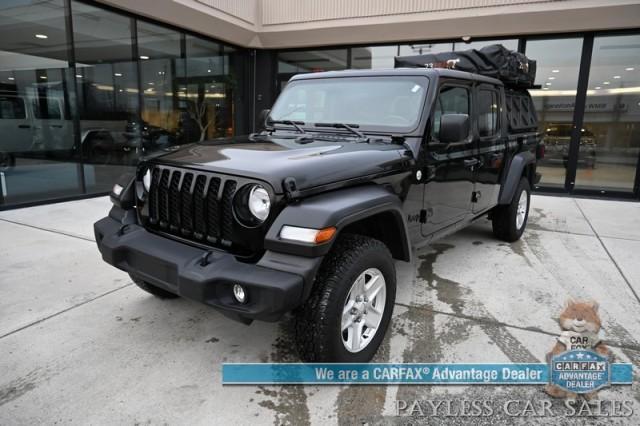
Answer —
53 132
15 126
490 147
449 177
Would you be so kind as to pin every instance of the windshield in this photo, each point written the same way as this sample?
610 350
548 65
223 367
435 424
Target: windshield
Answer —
379 103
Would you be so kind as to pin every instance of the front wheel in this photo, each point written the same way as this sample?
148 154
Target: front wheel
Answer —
510 220
350 306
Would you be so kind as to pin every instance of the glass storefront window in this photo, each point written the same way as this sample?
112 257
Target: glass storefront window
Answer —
610 142
107 82
38 151
302 61
206 107
163 84
558 64
424 48
373 57
72 131
511 44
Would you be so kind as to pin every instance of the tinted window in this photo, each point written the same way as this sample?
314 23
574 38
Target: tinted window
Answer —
11 108
451 100
487 112
47 108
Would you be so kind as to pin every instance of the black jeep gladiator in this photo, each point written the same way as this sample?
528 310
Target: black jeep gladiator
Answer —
352 170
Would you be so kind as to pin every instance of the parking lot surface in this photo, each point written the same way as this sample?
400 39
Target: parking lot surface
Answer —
79 343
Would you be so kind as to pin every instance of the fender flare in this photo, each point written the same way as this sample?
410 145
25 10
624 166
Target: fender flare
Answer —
514 173
337 208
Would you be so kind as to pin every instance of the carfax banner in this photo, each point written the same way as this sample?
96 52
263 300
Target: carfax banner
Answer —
579 376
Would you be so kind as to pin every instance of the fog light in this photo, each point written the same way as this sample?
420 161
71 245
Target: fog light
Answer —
239 293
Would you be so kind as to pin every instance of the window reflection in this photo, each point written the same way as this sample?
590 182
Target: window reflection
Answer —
162 72
206 105
611 134
511 44
68 131
558 63
424 48
373 57
38 145
106 78
302 61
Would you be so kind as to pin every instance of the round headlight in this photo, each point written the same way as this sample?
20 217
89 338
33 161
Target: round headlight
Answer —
259 202
146 180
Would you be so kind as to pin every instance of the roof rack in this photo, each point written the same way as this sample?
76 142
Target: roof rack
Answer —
514 69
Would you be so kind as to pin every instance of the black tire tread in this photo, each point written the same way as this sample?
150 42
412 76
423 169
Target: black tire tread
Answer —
312 315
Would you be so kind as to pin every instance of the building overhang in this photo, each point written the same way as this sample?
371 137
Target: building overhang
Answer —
282 24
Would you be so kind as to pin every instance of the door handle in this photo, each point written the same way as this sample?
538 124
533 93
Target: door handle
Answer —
470 162
24 126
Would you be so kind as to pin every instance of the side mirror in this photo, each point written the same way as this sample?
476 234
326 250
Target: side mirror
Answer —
262 119
453 128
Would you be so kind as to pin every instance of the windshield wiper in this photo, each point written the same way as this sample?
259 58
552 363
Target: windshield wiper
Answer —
295 124
349 127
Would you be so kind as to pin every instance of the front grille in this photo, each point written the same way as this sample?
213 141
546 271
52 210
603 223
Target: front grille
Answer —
193 205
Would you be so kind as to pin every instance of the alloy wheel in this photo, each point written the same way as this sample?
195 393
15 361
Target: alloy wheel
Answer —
363 310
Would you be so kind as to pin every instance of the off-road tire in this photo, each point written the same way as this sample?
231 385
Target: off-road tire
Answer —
318 320
7 161
152 289
504 217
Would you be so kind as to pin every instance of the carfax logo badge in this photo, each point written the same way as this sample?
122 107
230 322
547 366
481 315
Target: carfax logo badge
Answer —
580 371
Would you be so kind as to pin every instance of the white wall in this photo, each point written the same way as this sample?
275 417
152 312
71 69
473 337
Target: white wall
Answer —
303 23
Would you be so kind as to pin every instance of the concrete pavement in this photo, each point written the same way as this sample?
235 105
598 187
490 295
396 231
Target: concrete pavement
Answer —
80 344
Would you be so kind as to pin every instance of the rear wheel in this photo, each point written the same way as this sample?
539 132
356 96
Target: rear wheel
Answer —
509 221
349 310
7 161
152 289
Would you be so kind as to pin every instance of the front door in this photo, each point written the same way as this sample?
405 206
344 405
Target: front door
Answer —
448 172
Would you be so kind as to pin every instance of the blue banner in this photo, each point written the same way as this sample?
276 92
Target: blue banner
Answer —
429 374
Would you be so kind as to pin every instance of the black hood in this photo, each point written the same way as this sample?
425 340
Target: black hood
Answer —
273 159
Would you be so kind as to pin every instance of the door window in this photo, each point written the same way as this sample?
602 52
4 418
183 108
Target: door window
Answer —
451 100
11 108
487 112
47 108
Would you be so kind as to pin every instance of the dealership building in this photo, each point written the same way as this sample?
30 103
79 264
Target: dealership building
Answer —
87 88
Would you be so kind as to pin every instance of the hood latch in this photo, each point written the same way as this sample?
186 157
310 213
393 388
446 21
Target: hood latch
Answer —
290 188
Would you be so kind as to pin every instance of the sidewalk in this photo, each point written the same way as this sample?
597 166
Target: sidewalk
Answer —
80 343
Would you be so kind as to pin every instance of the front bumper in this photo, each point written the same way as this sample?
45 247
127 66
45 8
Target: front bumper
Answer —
274 285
